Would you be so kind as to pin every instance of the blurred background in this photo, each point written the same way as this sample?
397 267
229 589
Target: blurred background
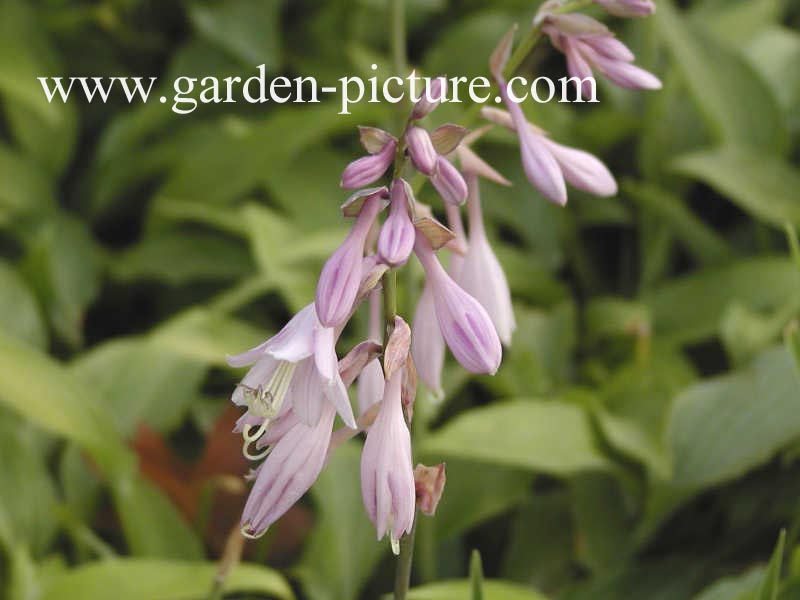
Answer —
642 438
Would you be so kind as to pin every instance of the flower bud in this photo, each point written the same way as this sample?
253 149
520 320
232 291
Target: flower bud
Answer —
434 93
628 8
396 240
340 279
449 182
368 169
421 150
464 323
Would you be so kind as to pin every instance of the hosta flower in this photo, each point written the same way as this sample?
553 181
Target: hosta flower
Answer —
291 467
465 325
421 150
295 368
387 475
396 239
591 46
448 182
368 169
340 279
370 380
480 273
427 343
548 164
628 8
434 92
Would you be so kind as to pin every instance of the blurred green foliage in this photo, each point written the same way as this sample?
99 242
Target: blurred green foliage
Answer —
642 439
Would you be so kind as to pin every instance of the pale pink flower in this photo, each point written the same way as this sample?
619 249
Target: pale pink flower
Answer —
435 92
421 150
427 343
340 279
370 381
465 325
387 474
448 182
480 273
628 8
589 45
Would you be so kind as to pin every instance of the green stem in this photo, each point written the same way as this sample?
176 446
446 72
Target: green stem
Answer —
389 300
398 26
402 579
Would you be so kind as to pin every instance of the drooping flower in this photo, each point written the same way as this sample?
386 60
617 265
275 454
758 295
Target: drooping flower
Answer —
387 475
370 380
628 8
465 325
581 169
291 467
427 343
340 279
396 239
296 368
589 45
480 273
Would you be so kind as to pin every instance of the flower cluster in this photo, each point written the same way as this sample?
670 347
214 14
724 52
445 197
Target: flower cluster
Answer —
297 385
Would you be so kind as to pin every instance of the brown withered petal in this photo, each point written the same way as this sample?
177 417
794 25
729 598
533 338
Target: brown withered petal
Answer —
437 234
429 484
447 137
355 360
408 390
397 348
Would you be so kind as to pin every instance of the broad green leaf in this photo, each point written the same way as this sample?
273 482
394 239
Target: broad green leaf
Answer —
689 309
135 579
49 396
739 587
63 263
19 313
706 245
192 257
27 493
26 192
460 590
736 21
550 437
342 549
724 426
774 52
249 29
764 186
734 100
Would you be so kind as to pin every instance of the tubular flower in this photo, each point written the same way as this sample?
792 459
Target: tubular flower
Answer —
370 381
464 323
387 474
628 8
591 46
427 343
368 169
480 273
340 279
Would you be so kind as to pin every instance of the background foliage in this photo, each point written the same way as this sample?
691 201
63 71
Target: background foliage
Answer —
642 438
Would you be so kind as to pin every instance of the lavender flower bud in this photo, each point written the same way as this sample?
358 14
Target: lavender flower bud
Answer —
421 150
434 93
396 240
368 169
449 182
464 323
582 170
628 8
341 276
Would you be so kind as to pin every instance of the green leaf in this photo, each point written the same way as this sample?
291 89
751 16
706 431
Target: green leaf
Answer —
551 437
476 576
724 426
249 29
134 579
764 186
690 309
26 192
773 53
63 264
734 100
740 587
460 590
770 585
48 395
19 313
